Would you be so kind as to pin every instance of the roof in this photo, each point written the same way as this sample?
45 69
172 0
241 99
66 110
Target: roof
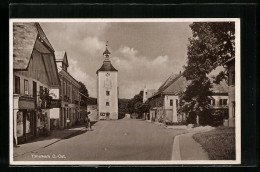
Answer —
61 56
222 87
107 66
178 84
230 60
106 51
91 101
170 80
24 38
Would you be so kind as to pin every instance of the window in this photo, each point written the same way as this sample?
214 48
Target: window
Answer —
64 88
224 101
45 90
171 102
17 85
213 102
107 93
26 87
68 88
41 90
177 103
220 102
107 103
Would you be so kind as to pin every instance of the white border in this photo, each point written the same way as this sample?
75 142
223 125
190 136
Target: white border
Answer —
166 162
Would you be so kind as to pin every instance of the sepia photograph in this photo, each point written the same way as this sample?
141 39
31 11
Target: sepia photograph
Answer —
124 91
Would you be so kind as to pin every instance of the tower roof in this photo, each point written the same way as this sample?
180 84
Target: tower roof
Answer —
106 51
107 66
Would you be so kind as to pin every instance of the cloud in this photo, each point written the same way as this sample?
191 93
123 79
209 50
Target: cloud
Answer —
137 70
92 45
82 76
160 60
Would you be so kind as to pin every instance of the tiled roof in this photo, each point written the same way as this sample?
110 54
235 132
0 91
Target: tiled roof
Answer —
179 83
24 38
167 82
107 66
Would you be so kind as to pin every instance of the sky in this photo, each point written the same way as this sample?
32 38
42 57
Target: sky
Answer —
144 53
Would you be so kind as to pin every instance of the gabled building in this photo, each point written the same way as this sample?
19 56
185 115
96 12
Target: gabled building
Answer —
165 102
69 112
34 74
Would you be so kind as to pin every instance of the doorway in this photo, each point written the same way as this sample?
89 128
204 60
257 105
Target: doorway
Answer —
107 116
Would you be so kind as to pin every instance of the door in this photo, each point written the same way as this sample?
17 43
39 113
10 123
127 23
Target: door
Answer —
107 116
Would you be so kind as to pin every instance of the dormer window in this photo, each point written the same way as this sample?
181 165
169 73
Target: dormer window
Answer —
64 67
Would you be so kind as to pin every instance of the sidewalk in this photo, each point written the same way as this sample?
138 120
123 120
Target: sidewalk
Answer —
186 148
41 142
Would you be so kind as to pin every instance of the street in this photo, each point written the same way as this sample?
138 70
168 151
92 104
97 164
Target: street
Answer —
120 140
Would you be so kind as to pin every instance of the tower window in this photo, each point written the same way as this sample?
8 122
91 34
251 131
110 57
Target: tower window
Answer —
107 93
107 103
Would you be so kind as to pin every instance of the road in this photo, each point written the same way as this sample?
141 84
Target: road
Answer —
126 139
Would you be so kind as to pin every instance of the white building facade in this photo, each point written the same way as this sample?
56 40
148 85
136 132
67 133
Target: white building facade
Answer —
107 91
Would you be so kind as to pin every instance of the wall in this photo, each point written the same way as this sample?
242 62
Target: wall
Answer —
172 108
112 98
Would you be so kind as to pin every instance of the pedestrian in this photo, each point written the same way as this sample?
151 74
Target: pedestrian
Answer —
89 124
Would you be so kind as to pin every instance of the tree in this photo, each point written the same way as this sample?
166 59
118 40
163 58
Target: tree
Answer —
211 45
136 105
83 89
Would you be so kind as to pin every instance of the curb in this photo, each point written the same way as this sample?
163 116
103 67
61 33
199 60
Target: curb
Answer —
65 137
176 152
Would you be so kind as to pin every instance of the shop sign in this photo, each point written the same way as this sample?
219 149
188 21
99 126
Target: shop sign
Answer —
26 103
55 103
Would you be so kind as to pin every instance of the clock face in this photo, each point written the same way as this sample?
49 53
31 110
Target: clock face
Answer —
107 74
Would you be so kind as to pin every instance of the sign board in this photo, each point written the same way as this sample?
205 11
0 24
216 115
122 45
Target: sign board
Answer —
26 103
55 103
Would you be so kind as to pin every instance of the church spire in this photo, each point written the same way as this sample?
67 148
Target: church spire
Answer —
106 53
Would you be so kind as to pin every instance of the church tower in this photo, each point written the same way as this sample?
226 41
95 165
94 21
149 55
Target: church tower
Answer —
107 91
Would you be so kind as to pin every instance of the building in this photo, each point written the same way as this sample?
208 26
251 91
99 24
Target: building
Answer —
34 74
68 113
147 93
92 109
107 91
165 102
83 112
231 91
